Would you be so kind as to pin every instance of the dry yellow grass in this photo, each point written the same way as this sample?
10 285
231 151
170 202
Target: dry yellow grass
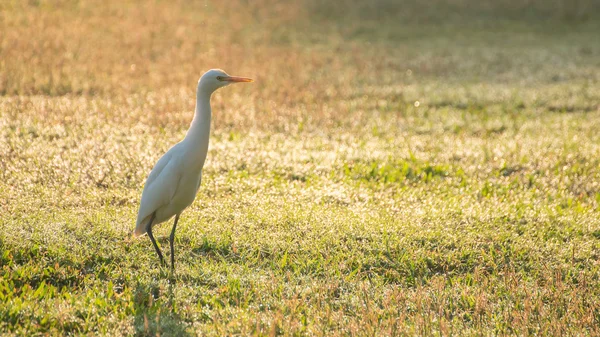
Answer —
396 169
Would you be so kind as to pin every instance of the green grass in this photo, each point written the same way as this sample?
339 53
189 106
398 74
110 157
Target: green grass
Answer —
332 203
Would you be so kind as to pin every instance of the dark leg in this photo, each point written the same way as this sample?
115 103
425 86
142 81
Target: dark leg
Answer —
171 239
149 231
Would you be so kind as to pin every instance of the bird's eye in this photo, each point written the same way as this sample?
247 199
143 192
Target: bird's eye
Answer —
219 78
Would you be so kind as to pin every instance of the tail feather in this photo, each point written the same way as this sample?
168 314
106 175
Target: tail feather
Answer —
140 227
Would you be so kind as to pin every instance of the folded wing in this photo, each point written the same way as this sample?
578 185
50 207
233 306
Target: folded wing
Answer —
159 189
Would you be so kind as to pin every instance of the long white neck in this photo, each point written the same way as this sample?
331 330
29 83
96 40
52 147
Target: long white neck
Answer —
198 135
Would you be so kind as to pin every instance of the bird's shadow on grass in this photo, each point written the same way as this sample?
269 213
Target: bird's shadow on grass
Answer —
155 313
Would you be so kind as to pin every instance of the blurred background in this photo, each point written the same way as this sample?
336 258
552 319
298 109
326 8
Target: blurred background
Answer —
300 52
101 47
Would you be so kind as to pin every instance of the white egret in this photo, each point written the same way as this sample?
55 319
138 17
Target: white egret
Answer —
174 181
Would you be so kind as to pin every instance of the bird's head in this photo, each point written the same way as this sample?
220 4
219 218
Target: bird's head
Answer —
217 78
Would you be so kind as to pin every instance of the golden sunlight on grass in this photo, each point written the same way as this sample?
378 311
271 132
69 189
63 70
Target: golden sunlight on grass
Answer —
396 168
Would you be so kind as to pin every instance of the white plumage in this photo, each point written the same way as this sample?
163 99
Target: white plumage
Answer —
174 181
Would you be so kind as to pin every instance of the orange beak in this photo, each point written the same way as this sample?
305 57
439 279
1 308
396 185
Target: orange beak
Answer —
236 79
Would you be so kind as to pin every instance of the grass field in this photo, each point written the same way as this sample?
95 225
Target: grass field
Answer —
393 170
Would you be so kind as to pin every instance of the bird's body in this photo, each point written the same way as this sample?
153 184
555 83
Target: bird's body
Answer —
175 179
169 188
